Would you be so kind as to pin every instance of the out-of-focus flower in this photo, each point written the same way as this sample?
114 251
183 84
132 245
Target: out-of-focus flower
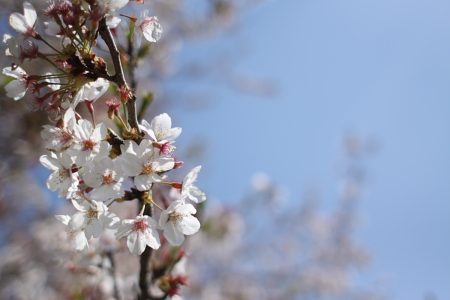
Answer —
77 237
147 27
141 232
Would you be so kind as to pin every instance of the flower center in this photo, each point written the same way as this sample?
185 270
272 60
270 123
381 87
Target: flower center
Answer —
88 145
91 214
140 226
147 169
108 179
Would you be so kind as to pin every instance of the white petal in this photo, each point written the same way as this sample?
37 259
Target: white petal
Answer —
50 162
78 222
136 243
124 229
29 14
196 195
94 229
190 225
151 238
16 73
109 220
63 218
18 23
174 236
143 182
130 164
16 89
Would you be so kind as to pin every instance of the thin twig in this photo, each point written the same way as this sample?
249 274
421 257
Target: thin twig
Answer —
119 77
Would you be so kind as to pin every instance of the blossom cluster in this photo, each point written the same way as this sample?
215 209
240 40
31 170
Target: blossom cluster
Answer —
84 172
91 165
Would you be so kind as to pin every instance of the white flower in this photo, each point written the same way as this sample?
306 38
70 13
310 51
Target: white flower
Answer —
89 144
189 190
92 218
91 91
60 139
147 26
62 177
161 129
141 232
78 237
105 177
144 163
16 89
13 46
177 221
24 24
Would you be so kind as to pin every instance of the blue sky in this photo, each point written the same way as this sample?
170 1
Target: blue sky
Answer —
380 69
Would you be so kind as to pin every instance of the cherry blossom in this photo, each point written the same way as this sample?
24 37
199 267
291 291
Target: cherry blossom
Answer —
141 231
91 91
13 46
78 238
147 27
92 217
189 190
178 220
24 24
60 138
144 163
88 142
62 178
105 176
160 129
16 89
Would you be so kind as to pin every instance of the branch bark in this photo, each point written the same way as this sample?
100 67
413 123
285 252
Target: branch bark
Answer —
119 77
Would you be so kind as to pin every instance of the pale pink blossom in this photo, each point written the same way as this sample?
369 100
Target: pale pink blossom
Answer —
105 176
147 27
143 163
178 220
188 189
140 232
62 178
78 238
60 138
16 89
160 129
24 24
92 217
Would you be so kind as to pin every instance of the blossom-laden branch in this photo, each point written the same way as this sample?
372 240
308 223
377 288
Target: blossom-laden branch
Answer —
89 162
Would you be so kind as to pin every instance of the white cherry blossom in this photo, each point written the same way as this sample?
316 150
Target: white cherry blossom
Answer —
16 89
178 220
62 178
160 129
24 24
60 138
106 177
147 27
143 162
188 189
13 46
141 232
78 238
88 142
91 91
92 218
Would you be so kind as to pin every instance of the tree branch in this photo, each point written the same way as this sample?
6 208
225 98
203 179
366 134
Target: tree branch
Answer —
119 77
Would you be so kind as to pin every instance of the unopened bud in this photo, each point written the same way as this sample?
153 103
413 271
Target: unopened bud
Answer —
178 164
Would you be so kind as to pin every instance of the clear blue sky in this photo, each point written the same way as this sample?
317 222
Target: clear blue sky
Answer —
377 68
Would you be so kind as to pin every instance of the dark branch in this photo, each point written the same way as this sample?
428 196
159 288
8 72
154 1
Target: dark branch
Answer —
119 77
